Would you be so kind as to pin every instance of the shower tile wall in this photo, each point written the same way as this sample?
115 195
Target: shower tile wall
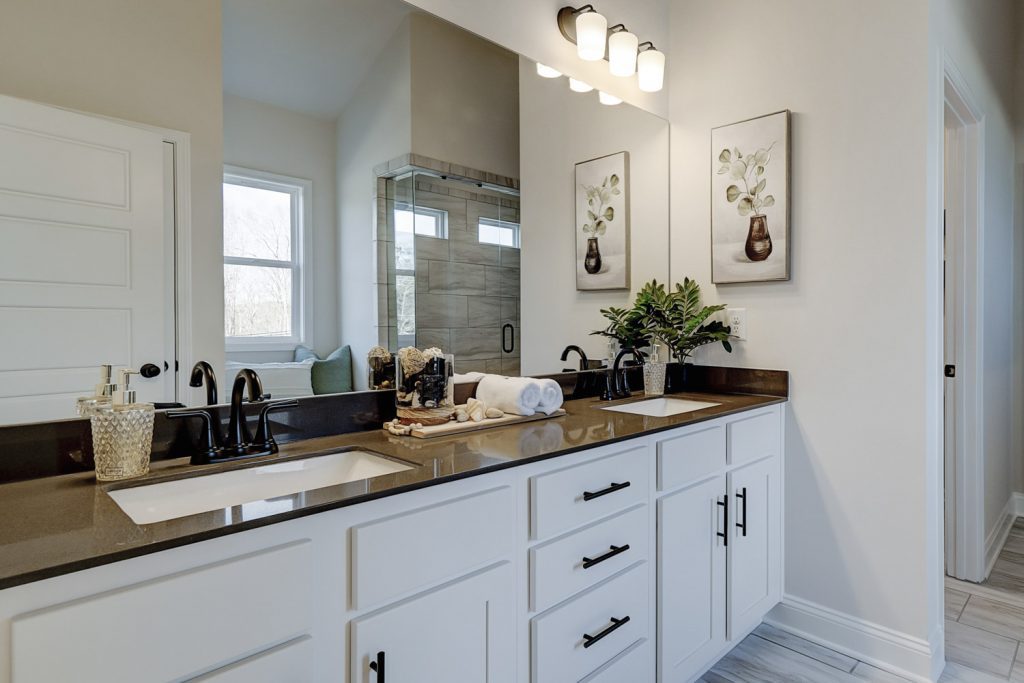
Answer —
466 291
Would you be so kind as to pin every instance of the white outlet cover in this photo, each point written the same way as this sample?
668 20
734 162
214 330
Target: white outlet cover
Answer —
736 318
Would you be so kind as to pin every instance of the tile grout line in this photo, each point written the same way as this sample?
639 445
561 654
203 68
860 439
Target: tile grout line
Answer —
815 659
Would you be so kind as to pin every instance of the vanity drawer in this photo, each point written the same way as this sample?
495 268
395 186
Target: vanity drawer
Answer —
291 662
754 437
559 647
415 549
571 497
691 456
633 665
557 568
213 615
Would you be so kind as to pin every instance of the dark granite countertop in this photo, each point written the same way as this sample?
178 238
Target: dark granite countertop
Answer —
61 524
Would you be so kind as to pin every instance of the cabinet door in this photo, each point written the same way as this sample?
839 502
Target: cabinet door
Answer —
463 631
755 544
691 579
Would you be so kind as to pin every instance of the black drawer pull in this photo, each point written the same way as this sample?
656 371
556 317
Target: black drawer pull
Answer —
589 640
591 495
724 535
742 526
614 550
378 666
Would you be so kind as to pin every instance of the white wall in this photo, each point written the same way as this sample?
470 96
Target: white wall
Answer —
979 39
852 324
150 62
1018 290
466 98
268 138
375 127
529 28
558 129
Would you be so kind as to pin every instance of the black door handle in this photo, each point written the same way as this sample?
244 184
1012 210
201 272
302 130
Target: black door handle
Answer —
589 640
149 371
724 535
742 526
612 488
615 550
378 666
508 342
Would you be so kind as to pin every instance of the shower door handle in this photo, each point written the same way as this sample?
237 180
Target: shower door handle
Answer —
508 341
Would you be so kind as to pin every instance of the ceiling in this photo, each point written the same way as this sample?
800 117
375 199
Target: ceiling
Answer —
304 55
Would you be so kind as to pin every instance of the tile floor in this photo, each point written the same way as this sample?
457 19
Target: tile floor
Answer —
984 630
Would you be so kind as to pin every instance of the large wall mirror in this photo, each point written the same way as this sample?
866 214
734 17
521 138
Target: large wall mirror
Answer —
392 179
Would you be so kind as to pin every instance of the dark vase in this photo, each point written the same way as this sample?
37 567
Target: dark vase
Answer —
592 264
759 242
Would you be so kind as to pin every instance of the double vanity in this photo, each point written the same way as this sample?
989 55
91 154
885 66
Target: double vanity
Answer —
633 541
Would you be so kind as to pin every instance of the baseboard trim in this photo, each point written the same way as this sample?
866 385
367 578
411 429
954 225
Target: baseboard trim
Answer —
882 647
997 538
1018 504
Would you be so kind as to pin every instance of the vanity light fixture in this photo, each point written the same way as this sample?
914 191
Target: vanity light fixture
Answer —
545 71
590 29
650 68
605 98
622 49
579 86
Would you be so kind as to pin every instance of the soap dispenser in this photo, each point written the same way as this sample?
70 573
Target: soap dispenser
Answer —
102 397
122 434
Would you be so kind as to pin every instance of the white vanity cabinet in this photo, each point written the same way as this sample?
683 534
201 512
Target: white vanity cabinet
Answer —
641 560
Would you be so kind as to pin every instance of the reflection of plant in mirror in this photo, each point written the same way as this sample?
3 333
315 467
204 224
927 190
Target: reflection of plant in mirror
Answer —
599 213
750 170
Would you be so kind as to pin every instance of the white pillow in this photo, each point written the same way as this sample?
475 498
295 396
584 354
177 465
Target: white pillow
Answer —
280 380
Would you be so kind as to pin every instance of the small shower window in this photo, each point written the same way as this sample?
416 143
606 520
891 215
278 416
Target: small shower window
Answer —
502 233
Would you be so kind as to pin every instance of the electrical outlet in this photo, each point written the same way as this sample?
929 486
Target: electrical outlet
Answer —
736 318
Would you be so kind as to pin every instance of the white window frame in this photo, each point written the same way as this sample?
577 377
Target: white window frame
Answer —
301 191
501 225
440 216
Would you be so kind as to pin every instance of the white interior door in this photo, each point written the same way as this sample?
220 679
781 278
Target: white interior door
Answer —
83 263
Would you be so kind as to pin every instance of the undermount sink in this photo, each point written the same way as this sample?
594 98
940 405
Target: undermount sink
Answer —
661 407
182 497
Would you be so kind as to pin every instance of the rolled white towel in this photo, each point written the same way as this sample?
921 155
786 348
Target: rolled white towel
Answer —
550 396
515 395
468 378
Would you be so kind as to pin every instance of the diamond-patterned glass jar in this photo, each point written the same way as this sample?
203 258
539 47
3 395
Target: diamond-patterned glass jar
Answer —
122 441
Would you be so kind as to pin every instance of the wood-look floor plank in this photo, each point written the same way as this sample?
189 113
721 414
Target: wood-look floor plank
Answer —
806 647
957 673
978 649
955 601
866 672
992 615
1015 542
756 660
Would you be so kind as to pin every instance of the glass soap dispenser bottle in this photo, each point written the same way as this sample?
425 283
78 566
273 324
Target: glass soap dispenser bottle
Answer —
122 434
101 398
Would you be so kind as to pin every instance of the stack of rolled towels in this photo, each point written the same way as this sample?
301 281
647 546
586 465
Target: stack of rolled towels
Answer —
516 395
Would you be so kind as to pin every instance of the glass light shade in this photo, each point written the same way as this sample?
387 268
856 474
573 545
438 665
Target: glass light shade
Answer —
650 68
605 98
545 71
622 47
591 31
579 86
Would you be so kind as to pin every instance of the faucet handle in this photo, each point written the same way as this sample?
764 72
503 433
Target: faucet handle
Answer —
264 440
209 441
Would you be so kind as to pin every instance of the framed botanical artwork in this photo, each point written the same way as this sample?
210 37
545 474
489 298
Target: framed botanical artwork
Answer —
602 223
750 200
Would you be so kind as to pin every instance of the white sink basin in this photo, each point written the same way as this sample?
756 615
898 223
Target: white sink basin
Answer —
661 407
183 497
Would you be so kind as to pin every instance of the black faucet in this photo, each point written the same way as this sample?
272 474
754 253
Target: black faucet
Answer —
616 383
202 373
239 437
584 363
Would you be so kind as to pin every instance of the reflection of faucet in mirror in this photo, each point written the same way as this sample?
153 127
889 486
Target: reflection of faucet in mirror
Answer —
584 363
616 382
202 373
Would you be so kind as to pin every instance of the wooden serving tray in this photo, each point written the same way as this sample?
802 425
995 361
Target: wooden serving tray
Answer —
462 427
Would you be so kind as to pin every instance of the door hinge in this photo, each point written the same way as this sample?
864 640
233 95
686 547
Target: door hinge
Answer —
950 371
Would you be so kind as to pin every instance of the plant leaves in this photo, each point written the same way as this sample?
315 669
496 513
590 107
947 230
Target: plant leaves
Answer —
591 215
760 186
759 170
746 206
732 193
724 168
725 156
615 179
737 170
600 228
609 214
769 200
616 191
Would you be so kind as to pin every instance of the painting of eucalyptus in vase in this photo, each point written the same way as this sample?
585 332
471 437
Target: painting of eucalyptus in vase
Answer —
750 200
602 223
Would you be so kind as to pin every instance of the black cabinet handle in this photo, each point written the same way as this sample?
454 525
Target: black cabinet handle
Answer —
614 550
589 640
511 345
378 666
724 535
612 488
742 526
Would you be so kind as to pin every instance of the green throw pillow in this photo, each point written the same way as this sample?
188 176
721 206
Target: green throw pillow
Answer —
333 375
